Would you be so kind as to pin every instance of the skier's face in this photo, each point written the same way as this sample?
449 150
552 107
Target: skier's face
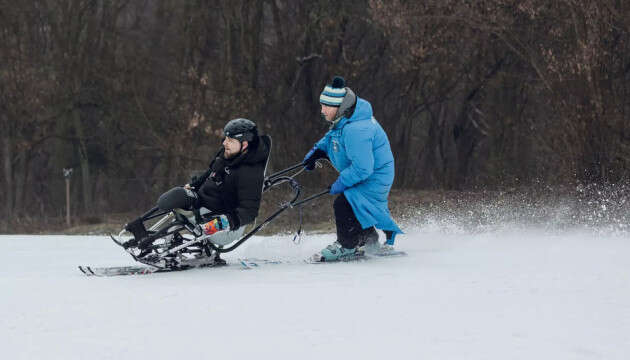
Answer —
233 147
329 112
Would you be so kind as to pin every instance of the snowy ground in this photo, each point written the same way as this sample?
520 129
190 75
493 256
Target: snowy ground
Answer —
514 294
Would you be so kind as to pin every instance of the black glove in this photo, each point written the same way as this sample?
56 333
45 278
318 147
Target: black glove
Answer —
197 180
312 156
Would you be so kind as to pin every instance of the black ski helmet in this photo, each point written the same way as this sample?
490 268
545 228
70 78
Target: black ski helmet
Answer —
241 129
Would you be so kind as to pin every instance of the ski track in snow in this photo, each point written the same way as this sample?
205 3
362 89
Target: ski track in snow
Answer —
512 294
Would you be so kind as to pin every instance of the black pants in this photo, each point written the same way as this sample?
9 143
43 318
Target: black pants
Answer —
349 230
178 198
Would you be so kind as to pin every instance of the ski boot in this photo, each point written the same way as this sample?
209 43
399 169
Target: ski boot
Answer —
388 246
139 232
387 249
368 240
336 252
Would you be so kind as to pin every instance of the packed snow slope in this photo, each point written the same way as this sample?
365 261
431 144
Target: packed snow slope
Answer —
512 294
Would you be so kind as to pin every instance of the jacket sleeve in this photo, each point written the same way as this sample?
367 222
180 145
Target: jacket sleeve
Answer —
248 193
358 140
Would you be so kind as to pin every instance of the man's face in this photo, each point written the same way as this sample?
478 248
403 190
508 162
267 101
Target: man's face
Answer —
329 112
233 147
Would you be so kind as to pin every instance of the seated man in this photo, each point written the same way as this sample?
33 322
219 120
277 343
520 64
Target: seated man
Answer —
233 183
231 189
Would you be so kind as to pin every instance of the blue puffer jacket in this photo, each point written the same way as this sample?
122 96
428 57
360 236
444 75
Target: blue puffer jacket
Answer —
359 149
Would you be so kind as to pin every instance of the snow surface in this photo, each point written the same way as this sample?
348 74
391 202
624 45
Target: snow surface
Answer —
511 294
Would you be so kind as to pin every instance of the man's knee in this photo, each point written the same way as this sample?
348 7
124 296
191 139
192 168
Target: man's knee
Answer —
178 198
341 205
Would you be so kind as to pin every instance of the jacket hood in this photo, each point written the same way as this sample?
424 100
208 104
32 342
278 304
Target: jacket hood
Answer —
362 110
346 108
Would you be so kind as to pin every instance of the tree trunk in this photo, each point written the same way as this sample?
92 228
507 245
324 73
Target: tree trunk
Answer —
21 176
8 175
256 44
83 160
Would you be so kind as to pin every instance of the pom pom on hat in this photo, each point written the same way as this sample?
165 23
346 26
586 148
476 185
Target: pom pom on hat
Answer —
333 94
338 82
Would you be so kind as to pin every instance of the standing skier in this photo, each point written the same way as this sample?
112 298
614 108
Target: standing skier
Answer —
358 148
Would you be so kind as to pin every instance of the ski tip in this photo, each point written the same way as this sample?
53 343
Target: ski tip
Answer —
86 270
115 240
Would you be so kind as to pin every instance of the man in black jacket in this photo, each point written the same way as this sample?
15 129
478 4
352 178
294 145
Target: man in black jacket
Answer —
232 185
230 190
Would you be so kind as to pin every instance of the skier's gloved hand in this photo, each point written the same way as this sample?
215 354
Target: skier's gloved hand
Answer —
194 182
337 187
312 156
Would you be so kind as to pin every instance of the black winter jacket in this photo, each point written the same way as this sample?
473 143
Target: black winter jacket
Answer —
234 186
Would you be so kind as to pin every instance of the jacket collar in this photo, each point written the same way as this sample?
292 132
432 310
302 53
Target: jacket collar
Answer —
346 108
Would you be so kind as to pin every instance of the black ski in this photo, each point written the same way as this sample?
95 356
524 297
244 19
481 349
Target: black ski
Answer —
137 270
119 270
251 263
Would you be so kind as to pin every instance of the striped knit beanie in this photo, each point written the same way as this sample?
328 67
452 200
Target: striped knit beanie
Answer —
333 94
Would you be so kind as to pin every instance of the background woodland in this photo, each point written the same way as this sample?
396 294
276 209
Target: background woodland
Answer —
133 94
